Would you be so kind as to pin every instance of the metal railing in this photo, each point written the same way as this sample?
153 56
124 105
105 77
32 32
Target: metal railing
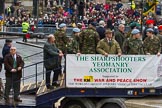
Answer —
35 64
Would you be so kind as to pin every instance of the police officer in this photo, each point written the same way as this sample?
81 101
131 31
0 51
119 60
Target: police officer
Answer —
88 40
134 44
108 45
25 28
73 44
151 43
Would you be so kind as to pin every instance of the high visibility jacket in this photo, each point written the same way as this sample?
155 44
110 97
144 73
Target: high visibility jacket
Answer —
25 27
133 5
8 9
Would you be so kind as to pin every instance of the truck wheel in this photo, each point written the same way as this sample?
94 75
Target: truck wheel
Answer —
111 105
77 103
74 104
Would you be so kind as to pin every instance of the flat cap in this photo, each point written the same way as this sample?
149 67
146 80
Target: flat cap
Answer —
108 31
149 30
135 31
76 30
62 25
8 40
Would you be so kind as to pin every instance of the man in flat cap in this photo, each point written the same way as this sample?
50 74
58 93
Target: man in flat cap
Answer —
152 43
108 45
134 44
88 40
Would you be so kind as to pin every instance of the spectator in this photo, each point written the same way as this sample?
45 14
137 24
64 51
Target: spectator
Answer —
101 29
6 47
12 10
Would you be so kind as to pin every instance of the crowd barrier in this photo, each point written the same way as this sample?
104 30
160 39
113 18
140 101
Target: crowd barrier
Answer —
46 30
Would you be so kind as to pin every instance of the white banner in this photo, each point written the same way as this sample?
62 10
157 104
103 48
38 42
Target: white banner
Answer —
127 71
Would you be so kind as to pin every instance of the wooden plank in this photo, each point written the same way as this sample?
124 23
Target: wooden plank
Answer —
62 79
41 88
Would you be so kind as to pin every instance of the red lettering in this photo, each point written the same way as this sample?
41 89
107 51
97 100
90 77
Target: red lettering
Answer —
78 80
139 80
99 80
124 80
110 80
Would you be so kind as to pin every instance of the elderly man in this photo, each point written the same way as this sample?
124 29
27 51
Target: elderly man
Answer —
120 35
51 61
108 45
13 65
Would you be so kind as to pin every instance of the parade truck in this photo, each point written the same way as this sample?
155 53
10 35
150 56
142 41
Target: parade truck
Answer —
98 81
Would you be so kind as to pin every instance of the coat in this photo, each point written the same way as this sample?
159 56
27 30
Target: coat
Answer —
8 63
152 46
51 56
120 38
88 41
111 48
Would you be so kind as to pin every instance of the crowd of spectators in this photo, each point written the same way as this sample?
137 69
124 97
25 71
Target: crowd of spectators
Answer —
113 14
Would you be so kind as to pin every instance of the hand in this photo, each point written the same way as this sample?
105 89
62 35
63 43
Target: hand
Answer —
13 70
78 54
19 68
61 54
106 54
60 51
119 54
147 53
158 54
